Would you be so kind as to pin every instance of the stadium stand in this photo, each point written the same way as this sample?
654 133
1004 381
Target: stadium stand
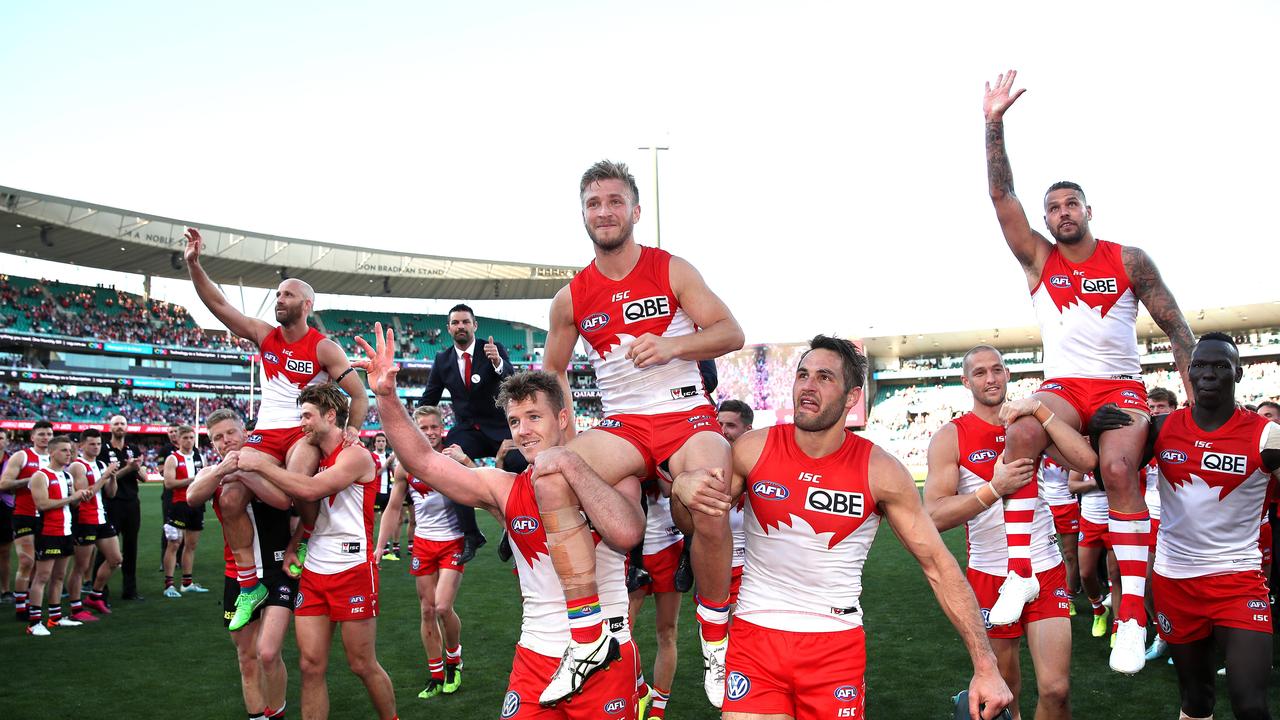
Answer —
422 336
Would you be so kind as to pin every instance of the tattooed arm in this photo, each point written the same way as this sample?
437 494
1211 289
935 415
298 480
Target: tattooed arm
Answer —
1028 246
1156 298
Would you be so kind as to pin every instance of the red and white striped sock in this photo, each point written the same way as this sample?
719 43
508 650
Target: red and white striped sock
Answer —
436 667
247 576
1019 510
1130 535
658 708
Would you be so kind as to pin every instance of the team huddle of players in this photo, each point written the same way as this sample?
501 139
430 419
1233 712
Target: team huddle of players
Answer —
772 525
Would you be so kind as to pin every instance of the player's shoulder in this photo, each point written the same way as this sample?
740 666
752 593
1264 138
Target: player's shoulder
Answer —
947 436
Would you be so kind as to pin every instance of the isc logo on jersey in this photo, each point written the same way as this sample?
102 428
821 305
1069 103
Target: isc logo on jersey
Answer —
834 502
1098 286
591 323
302 367
766 490
645 308
1175 457
1222 462
982 456
1061 281
524 525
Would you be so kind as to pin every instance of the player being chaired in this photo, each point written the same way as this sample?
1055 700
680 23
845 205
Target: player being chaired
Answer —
1085 293
646 318
573 493
294 356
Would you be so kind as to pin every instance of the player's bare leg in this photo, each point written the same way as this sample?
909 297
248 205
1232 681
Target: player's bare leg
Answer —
251 680
41 574
429 629
451 626
1129 530
109 549
25 546
359 640
190 538
273 626
314 634
1049 641
1008 660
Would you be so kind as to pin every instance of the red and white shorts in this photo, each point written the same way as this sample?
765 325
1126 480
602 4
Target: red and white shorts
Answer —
1086 395
275 441
662 568
431 556
348 595
658 437
1093 535
610 694
1053 601
1188 609
735 583
1066 518
822 674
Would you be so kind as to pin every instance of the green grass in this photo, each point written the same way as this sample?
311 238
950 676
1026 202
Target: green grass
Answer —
172 658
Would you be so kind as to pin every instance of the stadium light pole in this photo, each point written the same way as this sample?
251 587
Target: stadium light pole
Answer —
657 208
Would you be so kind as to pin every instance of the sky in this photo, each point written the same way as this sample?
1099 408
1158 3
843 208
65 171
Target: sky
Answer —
826 170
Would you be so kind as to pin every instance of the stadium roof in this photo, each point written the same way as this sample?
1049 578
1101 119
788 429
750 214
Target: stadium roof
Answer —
88 235
1226 319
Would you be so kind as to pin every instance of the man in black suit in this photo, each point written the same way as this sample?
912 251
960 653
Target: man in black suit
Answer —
472 371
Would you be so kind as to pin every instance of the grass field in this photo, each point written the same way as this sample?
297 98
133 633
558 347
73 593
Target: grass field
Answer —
171 658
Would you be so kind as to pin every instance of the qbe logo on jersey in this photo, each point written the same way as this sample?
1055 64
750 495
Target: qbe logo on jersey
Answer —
1224 463
646 308
302 367
834 502
1098 286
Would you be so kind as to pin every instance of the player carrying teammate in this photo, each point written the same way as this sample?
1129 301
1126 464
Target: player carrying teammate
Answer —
436 558
52 496
294 356
18 471
540 422
967 477
263 677
646 318
1085 293
90 527
1216 461
180 469
815 496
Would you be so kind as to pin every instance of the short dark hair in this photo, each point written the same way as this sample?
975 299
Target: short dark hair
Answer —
526 385
610 170
964 363
1163 395
1067 185
1270 404
326 396
853 361
737 406
185 429
1219 337
462 307
90 433
42 424
380 435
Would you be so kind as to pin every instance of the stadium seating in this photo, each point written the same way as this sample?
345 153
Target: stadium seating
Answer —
421 336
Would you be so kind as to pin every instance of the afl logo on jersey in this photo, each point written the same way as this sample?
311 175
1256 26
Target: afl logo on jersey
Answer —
846 693
982 456
524 525
615 706
271 358
591 323
1130 394
1061 281
1175 457
737 686
766 490
645 308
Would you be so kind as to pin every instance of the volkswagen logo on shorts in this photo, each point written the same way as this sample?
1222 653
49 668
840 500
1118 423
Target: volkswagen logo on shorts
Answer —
986 617
1174 457
524 525
738 685
846 693
615 706
766 490
1051 386
1166 627
297 601
511 704
982 456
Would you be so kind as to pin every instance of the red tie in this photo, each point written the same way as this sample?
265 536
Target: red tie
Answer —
466 368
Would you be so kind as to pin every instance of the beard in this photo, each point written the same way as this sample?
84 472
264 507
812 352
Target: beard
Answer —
981 399
288 316
609 245
825 419
1070 238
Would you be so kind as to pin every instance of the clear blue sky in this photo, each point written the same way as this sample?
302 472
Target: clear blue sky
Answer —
826 170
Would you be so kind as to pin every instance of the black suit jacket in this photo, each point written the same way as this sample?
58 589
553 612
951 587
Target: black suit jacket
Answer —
474 407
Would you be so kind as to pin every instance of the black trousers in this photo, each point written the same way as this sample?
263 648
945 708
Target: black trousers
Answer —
476 444
126 516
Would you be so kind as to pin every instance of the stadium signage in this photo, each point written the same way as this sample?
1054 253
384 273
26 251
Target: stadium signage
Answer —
115 348
542 271
57 378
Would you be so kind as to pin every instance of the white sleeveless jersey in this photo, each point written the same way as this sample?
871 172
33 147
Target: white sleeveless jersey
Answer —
660 531
1094 506
1052 479
1151 474
343 536
287 368
435 519
545 626
92 512
1088 315
738 528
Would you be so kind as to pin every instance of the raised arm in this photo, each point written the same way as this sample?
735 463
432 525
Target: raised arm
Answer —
480 488
561 337
718 332
1156 298
1028 246
335 363
897 498
236 321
